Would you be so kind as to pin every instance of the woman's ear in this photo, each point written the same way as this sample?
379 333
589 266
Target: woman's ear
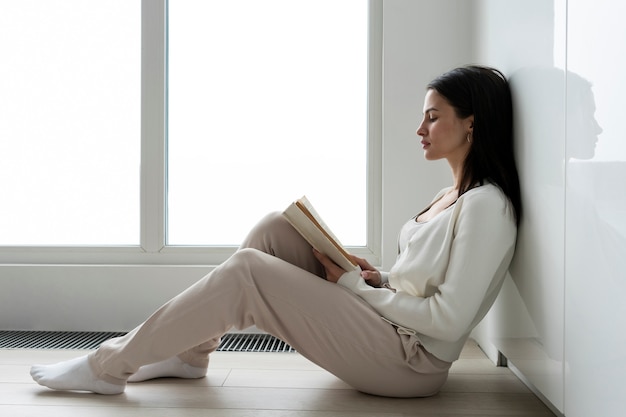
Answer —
470 123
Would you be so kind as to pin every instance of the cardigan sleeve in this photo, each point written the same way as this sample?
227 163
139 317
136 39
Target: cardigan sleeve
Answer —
478 247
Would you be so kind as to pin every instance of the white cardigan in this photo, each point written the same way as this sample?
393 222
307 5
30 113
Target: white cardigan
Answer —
450 272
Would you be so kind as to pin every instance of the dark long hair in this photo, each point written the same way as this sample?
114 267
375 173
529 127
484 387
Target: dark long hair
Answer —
484 92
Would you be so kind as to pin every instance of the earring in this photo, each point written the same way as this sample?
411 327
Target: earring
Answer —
469 137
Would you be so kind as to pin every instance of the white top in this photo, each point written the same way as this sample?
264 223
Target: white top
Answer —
448 272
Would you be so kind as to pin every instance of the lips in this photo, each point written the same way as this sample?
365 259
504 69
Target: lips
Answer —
425 144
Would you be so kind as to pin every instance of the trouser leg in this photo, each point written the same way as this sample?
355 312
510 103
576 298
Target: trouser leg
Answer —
325 322
273 235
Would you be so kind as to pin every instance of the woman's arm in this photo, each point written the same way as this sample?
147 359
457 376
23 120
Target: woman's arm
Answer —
478 245
371 275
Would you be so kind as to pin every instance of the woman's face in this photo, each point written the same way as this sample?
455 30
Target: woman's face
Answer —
444 134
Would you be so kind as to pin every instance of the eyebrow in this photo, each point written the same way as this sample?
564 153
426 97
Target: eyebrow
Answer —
430 109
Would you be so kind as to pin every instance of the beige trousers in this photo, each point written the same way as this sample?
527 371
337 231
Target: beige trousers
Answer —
274 282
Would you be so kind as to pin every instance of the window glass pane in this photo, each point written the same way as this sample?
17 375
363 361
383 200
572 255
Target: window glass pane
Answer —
70 122
267 102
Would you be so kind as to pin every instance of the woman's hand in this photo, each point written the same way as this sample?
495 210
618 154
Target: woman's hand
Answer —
333 271
370 274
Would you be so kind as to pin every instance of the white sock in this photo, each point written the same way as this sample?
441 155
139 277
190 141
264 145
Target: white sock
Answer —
73 375
173 367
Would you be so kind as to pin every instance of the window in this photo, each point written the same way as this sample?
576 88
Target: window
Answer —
106 160
267 101
69 122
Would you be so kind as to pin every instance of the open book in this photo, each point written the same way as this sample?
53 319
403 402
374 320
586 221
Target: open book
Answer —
309 224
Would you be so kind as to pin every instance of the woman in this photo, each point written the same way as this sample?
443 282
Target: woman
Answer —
391 334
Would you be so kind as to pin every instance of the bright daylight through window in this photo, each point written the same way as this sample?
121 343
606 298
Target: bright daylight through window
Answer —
267 102
69 122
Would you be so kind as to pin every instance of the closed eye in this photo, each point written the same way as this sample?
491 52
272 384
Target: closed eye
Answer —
430 114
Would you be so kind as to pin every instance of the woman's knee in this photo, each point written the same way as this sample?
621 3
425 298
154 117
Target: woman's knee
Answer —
274 235
274 222
268 231
260 229
245 258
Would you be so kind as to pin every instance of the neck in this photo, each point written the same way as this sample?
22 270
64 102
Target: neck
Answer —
457 174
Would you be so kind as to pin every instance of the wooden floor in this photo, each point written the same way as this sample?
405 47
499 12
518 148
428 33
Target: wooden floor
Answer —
265 385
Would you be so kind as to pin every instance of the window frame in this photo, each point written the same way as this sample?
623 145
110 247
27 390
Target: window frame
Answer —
152 248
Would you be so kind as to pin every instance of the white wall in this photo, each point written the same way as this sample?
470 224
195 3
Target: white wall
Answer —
87 297
561 319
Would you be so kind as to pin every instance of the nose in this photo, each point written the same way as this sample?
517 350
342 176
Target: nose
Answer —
420 130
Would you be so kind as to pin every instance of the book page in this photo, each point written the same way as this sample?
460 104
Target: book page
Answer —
305 219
